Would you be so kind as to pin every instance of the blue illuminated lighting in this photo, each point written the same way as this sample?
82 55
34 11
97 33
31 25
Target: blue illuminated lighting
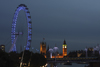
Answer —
29 26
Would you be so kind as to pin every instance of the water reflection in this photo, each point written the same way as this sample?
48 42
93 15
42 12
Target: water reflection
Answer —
52 65
61 65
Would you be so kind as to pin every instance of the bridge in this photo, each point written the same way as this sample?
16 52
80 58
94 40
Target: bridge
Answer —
73 59
92 61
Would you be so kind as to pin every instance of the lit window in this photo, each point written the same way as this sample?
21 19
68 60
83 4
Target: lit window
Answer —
2 46
25 64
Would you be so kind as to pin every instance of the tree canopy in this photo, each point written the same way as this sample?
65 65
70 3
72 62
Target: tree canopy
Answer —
12 59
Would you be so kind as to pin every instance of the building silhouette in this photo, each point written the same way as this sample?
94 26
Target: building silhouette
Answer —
43 48
2 47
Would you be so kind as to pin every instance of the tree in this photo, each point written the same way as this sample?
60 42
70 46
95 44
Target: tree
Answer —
38 60
5 60
15 57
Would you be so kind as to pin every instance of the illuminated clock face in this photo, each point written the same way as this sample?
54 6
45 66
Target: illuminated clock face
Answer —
64 46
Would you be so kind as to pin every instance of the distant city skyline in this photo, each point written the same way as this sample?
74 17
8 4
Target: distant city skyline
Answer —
78 22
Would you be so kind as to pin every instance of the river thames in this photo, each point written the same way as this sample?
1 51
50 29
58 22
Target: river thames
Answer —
73 65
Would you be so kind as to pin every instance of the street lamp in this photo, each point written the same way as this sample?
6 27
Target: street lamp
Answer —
94 50
32 48
37 50
86 51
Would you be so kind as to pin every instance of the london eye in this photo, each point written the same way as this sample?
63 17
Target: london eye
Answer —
14 33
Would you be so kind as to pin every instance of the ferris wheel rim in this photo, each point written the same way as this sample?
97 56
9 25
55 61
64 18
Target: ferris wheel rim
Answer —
29 26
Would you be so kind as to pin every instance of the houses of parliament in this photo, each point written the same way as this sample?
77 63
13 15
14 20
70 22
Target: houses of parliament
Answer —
45 51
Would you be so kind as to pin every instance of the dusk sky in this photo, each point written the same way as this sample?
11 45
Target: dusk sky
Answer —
77 21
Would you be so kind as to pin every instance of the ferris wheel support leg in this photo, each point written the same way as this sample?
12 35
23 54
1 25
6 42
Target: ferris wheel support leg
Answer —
13 47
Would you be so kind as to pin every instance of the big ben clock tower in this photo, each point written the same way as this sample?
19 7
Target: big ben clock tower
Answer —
64 47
